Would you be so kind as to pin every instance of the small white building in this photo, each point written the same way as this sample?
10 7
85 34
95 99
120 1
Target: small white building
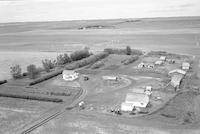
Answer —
162 58
148 88
177 71
176 80
159 62
141 65
185 66
137 99
112 78
150 65
127 107
69 75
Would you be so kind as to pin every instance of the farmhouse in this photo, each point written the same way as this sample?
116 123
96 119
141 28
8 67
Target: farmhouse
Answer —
69 75
185 65
159 62
162 58
127 106
137 99
113 78
176 80
177 71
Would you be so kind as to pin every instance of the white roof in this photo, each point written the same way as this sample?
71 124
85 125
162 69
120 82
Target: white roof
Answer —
178 71
176 78
162 57
138 90
109 77
137 97
185 64
158 62
68 72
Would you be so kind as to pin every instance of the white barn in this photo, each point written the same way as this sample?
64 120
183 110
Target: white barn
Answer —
137 99
159 62
69 75
162 58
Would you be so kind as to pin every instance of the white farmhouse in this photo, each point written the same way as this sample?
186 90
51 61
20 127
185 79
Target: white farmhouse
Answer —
185 66
159 62
69 75
137 99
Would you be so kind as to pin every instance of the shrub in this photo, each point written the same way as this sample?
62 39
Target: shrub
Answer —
128 50
16 71
130 60
78 55
45 77
32 71
86 61
98 64
48 65
63 59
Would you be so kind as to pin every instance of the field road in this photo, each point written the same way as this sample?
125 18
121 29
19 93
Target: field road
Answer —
56 111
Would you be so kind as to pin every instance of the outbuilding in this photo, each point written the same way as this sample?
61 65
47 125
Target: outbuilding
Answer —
137 99
162 58
176 71
112 78
176 80
127 107
69 75
185 66
159 62
141 65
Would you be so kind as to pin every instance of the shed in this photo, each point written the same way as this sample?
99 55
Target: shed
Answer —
185 65
127 107
177 71
176 80
137 99
159 62
162 58
69 75
114 78
141 65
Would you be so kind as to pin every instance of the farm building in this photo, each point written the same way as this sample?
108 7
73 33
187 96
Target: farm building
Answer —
141 65
176 71
185 65
113 78
159 62
162 58
176 80
137 99
69 75
150 65
127 106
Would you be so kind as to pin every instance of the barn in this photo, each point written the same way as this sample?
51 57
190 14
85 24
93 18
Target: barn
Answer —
137 99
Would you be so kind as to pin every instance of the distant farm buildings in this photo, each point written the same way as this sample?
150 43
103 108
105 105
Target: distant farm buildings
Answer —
185 66
163 58
69 75
159 62
145 65
177 71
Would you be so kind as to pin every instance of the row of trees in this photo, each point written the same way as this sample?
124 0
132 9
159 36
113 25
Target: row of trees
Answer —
61 59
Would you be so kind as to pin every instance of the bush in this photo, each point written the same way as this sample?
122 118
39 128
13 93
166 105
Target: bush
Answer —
130 60
63 59
128 50
45 77
16 71
86 61
78 55
98 64
48 64
32 71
